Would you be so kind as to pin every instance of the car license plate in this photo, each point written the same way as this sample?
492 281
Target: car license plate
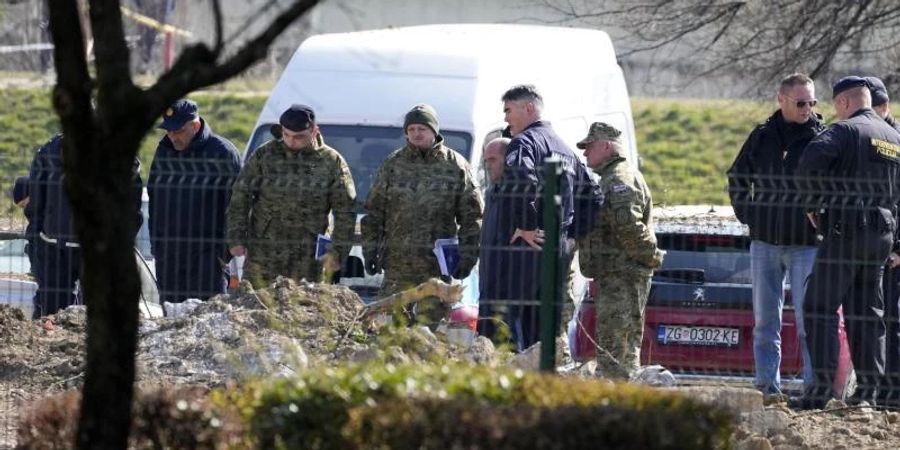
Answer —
679 334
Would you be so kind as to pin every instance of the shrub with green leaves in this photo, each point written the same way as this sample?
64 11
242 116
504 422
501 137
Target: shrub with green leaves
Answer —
459 406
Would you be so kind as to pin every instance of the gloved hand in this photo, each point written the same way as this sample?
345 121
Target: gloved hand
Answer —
372 263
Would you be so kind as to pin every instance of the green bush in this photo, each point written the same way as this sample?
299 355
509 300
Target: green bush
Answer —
436 424
439 406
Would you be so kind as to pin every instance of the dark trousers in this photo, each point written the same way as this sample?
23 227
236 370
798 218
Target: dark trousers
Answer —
890 388
525 318
848 272
191 275
59 267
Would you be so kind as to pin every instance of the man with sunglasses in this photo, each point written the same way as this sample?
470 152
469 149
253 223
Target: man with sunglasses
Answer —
761 184
852 174
281 202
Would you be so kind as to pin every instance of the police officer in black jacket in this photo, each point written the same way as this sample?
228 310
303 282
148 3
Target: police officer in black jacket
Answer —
851 182
58 254
891 385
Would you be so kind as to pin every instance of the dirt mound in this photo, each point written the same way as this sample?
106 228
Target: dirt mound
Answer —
44 355
295 325
273 331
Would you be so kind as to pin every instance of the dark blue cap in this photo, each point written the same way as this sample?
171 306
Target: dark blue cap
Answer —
298 118
845 83
20 189
180 113
879 92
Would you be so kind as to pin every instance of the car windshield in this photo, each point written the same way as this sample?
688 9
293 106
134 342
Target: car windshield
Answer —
722 259
365 147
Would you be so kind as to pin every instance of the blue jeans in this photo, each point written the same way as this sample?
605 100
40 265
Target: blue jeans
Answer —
768 266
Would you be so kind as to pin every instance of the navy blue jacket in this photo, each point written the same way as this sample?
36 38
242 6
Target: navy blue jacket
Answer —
51 213
512 271
189 192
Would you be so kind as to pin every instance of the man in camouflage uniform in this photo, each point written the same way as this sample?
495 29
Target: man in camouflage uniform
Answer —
422 192
619 253
282 199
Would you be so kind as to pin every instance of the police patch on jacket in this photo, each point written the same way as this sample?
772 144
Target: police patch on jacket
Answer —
886 150
512 159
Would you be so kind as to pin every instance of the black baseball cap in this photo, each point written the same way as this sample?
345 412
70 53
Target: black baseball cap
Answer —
846 83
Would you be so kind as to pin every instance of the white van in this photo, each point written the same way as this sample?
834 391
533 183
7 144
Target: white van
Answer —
361 84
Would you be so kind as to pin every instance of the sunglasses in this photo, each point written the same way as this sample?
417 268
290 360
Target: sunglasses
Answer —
802 103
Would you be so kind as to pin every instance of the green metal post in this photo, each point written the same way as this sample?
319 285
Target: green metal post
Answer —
550 287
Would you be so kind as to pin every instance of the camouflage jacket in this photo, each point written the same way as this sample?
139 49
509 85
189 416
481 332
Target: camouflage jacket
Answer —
623 238
283 195
417 197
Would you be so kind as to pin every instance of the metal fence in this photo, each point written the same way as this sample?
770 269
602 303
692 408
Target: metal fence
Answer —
705 308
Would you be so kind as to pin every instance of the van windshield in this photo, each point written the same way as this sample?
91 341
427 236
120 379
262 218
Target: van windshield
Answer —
365 147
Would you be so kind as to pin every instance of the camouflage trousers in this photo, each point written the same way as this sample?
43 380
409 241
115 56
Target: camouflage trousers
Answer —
265 262
428 311
620 303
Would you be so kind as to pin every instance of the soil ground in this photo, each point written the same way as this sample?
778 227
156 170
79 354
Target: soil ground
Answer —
254 333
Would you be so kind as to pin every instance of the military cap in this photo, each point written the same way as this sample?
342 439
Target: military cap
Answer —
298 118
180 113
424 115
879 92
600 132
846 83
20 189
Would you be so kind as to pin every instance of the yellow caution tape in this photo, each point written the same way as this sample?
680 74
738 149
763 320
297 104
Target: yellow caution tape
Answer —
153 23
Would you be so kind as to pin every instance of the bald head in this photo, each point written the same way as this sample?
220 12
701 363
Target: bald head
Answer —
494 154
848 102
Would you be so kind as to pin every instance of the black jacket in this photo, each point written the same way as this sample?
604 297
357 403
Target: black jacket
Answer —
893 122
852 171
51 213
762 181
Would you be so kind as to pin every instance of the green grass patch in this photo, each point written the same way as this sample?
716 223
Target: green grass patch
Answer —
686 145
28 121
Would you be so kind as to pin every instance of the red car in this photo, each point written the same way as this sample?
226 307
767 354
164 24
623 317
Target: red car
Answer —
699 317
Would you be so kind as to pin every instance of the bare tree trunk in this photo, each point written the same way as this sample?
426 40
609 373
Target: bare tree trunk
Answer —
100 143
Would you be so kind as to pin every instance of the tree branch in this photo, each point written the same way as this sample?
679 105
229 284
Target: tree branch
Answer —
217 16
72 93
112 57
196 67
838 40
